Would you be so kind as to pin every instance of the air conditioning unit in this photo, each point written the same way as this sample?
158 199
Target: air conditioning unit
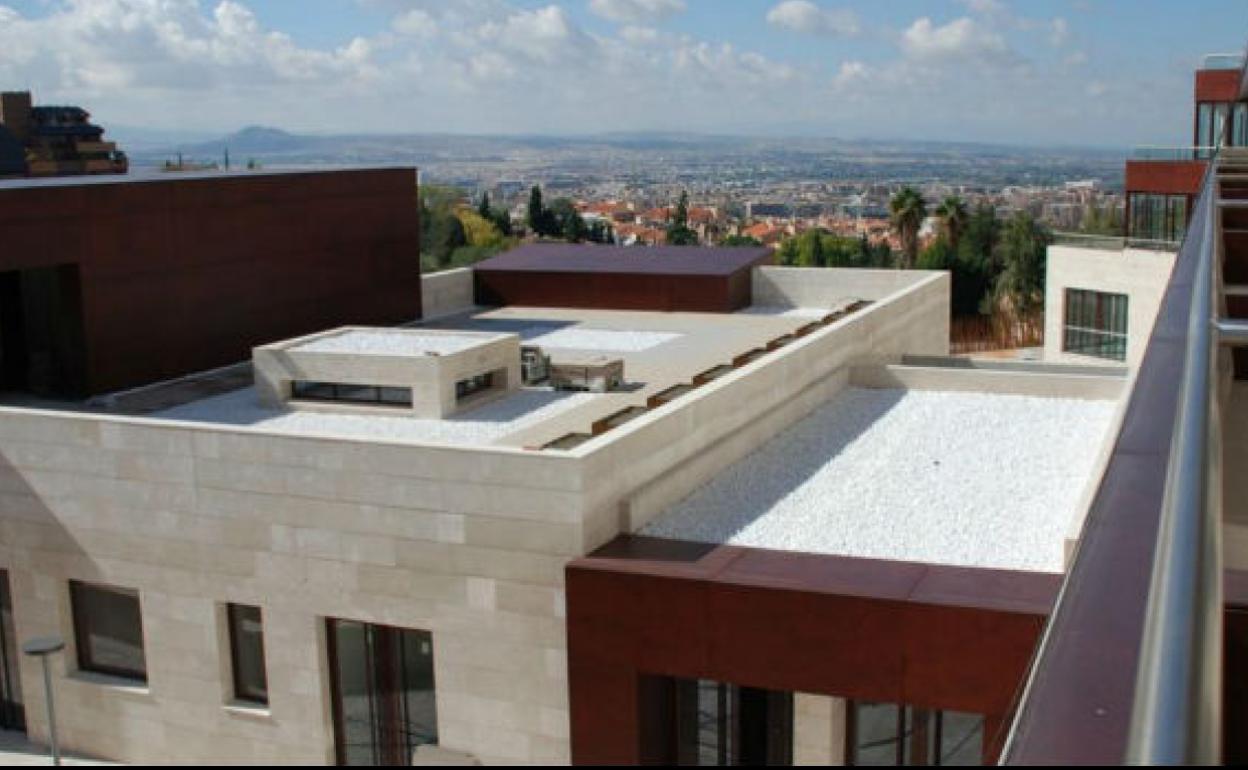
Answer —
534 365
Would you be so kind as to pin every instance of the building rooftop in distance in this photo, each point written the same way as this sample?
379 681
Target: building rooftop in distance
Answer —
916 475
655 260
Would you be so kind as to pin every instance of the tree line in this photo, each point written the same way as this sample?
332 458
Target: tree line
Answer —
996 264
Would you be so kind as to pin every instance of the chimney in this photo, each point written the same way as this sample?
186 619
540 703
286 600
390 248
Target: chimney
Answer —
15 107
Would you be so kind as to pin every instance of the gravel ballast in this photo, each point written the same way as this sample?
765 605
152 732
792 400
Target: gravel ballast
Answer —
968 479
604 340
392 343
483 425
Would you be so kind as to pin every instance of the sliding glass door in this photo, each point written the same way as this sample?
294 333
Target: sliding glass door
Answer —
383 692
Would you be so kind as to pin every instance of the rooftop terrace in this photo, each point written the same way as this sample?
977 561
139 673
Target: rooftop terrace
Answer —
927 476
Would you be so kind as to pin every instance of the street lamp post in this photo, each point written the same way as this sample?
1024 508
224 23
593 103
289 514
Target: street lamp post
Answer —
41 647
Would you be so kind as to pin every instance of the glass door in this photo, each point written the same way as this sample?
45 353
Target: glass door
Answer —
12 712
383 692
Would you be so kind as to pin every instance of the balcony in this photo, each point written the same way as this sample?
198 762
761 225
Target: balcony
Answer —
1131 666
1112 242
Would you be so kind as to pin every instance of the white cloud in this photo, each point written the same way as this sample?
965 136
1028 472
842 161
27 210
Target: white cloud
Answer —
1059 32
806 17
963 38
416 22
636 11
850 74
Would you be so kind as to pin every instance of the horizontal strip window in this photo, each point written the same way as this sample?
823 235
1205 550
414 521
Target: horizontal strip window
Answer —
473 385
354 394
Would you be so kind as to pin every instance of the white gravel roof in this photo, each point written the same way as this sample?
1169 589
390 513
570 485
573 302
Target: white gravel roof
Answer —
480 426
949 478
607 340
785 311
392 342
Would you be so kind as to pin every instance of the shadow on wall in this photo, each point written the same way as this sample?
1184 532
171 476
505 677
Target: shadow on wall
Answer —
29 527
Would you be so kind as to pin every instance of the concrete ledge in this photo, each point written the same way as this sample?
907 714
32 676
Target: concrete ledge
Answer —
1019 383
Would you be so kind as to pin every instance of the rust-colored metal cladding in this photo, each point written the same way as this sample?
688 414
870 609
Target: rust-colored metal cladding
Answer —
170 274
1217 85
664 278
642 608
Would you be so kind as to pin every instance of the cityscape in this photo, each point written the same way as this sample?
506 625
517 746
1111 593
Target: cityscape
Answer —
623 382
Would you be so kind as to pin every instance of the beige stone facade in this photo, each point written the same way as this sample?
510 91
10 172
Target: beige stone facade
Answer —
1140 274
468 543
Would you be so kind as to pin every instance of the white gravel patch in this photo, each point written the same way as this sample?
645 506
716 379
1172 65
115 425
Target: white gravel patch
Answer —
948 478
607 340
392 343
483 425
786 312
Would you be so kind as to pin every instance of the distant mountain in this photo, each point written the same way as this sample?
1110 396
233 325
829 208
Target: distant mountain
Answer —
252 140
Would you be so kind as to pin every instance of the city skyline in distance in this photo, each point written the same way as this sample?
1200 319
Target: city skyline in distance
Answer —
1059 73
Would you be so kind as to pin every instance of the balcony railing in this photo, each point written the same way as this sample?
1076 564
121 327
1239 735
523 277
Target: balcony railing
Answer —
1112 242
1222 61
1130 665
1174 154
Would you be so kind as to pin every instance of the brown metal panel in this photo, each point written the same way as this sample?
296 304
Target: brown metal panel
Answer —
1171 177
1217 85
188 273
940 637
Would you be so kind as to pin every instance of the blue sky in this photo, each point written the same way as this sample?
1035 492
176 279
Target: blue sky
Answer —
1075 72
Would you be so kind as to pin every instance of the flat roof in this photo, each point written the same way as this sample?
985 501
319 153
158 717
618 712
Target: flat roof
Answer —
395 342
659 350
155 174
966 479
633 260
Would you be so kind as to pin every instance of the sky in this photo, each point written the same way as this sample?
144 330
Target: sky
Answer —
1106 73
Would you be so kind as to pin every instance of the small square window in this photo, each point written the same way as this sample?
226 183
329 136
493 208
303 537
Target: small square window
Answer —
108 630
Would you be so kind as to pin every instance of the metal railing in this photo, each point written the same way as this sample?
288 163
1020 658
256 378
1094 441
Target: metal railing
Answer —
1111 242
1222 61
1175 718
1174 703
1172 153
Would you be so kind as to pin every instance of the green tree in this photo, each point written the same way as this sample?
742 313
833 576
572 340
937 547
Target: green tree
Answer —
939 255
566 222
441 232
740 240
907 211
953 215
1020 284
810 249
541 220
678 231
483 208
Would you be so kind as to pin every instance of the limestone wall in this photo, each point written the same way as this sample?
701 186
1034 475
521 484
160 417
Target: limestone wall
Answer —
468 545
1140 274
446 292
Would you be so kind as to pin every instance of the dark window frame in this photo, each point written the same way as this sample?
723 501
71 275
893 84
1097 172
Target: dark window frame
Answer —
82 631
1090 323
244 691
348 393
474 385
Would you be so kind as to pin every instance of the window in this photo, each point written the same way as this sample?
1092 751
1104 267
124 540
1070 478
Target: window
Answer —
382 692
356 394
890 734
1211 118
473 385
1157 217
247 653
108 630
1096 324
723 724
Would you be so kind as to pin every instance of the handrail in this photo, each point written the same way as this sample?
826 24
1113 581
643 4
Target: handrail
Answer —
1149 598
1175 718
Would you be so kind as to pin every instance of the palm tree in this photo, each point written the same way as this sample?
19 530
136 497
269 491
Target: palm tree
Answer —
952 212
908 210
